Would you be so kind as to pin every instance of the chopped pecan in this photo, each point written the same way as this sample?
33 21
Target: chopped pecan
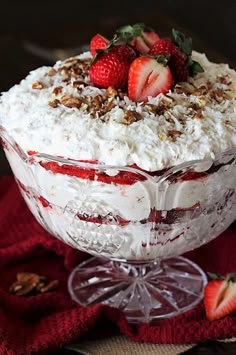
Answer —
183 88
40 286
77 83
218 95
202 90
198 115
75 71
173 133
71 60
131 116
224 80
108 106
28 277
151 108
111 91
201 101
30 283
209 84
52 72
38 85
51 286
70 101
55 103
161 108
57 90
22 288
97 102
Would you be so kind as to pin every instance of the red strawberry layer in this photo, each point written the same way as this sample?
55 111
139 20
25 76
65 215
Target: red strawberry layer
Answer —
122 178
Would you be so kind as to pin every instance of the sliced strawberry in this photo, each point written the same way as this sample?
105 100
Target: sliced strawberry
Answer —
108 219
139 44
122 178
139 36
220 296
147 77
43 202
97 42
150 37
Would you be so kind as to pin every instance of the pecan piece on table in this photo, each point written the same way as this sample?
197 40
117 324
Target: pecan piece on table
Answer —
31 284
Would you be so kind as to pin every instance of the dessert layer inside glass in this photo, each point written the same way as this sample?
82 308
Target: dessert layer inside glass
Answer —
127 213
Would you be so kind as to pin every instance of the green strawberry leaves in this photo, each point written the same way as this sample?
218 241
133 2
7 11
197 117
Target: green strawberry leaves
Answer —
186 46
113 42
128 33
184 43
215 276
231 277
162 58
195 68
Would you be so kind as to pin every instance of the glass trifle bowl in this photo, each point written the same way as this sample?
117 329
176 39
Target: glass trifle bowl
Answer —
135 224
129 158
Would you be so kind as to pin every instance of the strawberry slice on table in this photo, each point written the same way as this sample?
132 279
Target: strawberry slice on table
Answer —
141 37
98 42
220 296
148 77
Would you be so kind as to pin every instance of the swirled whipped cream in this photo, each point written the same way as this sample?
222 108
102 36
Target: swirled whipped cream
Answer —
57 110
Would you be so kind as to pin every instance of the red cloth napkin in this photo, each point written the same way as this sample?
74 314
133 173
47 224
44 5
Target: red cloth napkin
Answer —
40 323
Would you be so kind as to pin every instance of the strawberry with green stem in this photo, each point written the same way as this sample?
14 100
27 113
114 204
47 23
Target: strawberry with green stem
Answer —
110 66
180 50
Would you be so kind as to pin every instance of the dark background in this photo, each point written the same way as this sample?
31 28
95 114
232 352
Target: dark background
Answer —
56 24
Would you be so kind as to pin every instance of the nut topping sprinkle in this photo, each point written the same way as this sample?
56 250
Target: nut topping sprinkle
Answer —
70 101
30 283
131 116
37 85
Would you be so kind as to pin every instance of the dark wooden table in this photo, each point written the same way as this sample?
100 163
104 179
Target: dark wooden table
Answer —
52 25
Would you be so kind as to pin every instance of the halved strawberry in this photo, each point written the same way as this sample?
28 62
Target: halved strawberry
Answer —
139 44
150 37
220 296
98 42
148 77
139 36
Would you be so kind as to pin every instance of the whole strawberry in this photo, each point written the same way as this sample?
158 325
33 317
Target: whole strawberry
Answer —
126 52
97 42
111 67
178 59
180 49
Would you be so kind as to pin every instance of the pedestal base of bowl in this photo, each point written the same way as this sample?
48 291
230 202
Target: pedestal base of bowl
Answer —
144 292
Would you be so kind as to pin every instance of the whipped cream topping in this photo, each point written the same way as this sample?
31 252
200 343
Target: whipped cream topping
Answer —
58 111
